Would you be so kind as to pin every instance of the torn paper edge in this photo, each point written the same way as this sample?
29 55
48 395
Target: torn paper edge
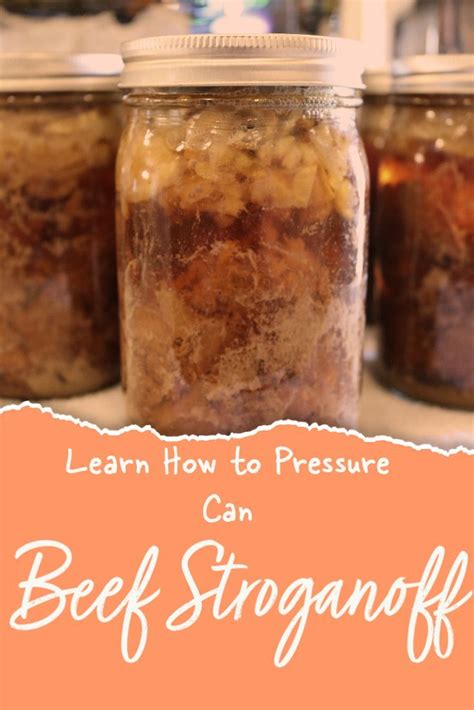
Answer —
237 436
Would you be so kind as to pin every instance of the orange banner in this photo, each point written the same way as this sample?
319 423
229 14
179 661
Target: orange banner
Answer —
291 567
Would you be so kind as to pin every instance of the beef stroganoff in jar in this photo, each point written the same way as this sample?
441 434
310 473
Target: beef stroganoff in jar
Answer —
241 193
426 232
59 129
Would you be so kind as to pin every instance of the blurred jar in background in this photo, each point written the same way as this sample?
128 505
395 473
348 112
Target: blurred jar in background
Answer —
374 120
426 232
59 127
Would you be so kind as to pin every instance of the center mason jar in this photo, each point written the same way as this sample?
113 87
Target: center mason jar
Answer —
242 207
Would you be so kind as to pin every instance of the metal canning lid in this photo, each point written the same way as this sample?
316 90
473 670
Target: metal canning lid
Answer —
241 60
434 74
378 81
48 71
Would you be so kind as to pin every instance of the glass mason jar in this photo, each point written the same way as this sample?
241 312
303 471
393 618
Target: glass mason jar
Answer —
241 233
374 118
59 126
426 221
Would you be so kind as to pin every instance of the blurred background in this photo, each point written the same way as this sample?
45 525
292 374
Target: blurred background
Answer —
387 28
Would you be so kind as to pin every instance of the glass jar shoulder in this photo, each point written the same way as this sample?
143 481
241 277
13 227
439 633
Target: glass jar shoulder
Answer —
374 119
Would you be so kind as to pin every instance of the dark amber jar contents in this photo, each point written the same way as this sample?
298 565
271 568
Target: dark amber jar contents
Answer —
58 303
374 121
241 232
426 269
